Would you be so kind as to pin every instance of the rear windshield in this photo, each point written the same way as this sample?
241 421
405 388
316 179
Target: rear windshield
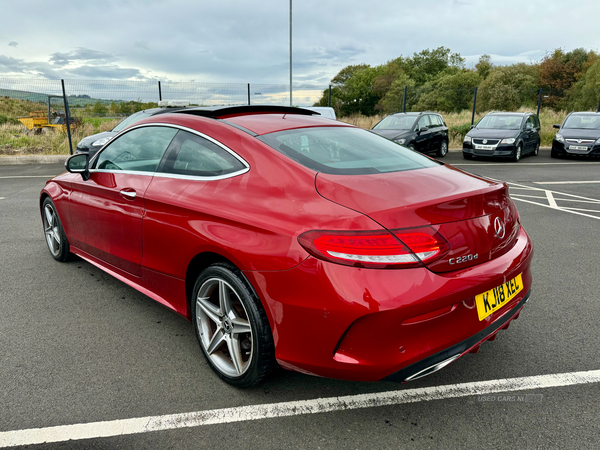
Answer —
345 150
591 122
396 123
500 122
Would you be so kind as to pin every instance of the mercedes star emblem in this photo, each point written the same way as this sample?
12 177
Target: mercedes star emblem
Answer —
499 227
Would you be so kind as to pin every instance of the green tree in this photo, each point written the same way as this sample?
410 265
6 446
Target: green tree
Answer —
586 92
99 108
508 88
427 64
393 101
449 93
484 66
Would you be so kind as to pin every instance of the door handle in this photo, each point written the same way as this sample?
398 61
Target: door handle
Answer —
128 194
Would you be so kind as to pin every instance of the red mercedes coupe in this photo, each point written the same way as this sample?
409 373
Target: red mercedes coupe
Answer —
291 239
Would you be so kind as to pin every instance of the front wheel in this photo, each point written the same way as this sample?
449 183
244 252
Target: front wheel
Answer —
55 234
232 326
443 150
537 149
517 155
467 155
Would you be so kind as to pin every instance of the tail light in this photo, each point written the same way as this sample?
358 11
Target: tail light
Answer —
376 249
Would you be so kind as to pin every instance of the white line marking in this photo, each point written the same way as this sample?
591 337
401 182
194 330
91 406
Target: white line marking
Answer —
551 200
580 209
593 202
29 176
556 209
2 198
566 182
286 409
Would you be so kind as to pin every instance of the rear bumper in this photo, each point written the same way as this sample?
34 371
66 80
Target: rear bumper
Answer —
441 359
359 324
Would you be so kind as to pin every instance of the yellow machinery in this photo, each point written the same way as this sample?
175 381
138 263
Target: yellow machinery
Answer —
37 122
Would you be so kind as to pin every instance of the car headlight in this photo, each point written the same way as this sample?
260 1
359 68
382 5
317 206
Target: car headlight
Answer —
399 141
559 137
467 139
100 142
508 141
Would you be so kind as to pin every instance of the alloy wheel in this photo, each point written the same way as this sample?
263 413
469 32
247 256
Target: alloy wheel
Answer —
52 230
224 328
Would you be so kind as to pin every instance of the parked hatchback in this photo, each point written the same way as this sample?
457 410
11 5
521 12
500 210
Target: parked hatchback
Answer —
296 240
425 132
504 135
578 135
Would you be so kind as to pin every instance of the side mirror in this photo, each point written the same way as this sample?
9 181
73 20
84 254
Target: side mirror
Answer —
473 126
79 164
423 129
556 125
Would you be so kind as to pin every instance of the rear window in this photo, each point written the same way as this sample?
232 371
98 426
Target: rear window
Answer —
345 150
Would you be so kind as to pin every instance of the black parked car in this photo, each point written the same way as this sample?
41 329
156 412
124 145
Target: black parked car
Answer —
578 135
425 132
501 134
91 144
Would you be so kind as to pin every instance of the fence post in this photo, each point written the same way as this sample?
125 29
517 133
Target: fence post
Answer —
539 103
404 101
474 103
329 102
598 105
159 92
67 115
248 94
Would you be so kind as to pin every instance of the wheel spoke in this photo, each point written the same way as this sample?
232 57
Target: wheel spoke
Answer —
240 325
216 340
224 299
209 309
56 236
49 216
235 352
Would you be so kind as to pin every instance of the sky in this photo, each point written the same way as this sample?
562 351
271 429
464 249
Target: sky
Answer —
247 41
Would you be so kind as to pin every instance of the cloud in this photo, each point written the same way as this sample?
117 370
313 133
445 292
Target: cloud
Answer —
141 45
81 55
108 71
13 44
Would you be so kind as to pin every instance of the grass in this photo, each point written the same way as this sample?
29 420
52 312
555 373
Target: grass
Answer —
459 124
15 141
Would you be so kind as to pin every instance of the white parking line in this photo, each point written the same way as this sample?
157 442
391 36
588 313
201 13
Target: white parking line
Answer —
286 409
566 182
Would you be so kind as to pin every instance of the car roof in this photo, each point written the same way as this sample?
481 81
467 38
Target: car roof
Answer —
415 113
509 113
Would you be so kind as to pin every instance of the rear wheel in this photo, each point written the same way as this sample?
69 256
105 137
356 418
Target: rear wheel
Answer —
443 150
54 232
232 326
537 149
517 155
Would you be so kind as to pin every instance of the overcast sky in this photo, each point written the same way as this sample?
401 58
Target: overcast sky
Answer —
245 41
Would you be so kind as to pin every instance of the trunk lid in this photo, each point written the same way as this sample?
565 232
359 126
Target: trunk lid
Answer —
475 215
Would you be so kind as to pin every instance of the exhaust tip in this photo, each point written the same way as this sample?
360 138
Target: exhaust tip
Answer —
434 368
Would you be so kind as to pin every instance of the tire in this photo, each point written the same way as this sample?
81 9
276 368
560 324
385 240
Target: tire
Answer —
443 150
518 151
56 240
232 327
537 149
412 147
467 155
554 154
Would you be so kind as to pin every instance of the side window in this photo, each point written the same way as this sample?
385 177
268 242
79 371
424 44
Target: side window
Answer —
440 121
530 123
423 122
195 156
139 150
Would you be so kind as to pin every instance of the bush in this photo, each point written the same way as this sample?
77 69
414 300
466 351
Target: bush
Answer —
457 132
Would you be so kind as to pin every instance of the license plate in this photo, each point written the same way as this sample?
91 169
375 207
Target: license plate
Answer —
496 298
484 147
577 147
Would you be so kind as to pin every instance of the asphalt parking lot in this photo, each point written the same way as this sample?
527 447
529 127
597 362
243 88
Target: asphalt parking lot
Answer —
78 346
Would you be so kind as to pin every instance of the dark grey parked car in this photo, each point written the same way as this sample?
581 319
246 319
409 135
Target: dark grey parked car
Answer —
502 134
91 144
425 131
578 135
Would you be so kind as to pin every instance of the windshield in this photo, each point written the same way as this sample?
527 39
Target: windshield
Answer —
500 122
131 119
345 150
396 123
589 122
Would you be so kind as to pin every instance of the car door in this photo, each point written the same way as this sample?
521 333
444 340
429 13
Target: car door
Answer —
436 132
107 209
528 135
423 138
